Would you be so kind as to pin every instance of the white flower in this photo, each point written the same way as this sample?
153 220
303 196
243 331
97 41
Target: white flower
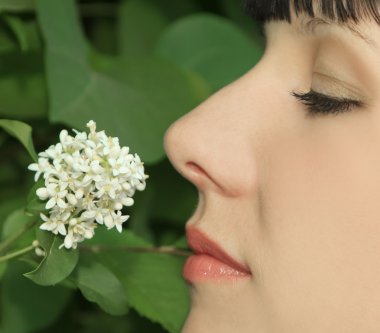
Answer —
54 152
119 219
89 178
79 230
55 223
54 193
109 187
92 126
42 166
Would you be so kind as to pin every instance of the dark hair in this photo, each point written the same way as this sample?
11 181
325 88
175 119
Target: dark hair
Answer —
340 11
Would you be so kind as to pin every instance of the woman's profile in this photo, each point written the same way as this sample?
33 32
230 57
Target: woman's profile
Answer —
286 160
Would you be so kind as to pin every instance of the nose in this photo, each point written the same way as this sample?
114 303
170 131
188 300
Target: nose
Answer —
213 146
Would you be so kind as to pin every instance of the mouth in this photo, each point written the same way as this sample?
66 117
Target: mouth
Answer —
210 261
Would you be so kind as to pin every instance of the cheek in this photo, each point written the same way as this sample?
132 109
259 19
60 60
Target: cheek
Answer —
321 222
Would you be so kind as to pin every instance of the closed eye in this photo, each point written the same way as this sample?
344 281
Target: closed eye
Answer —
321 104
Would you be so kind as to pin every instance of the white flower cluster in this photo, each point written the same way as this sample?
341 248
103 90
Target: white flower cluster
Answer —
88 179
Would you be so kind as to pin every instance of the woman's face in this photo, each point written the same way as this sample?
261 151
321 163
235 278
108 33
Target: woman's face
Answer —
295 198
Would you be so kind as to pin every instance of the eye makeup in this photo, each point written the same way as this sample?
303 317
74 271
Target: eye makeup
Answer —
321 104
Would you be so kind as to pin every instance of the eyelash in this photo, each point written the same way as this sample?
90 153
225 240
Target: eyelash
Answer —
320 104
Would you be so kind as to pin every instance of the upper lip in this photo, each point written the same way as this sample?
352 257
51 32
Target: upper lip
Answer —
201 244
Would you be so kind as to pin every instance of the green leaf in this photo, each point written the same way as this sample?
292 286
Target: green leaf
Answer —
16 5
177 190
153 284
211 46
27 307
140 221
25 32
7 41
14 223
152 281
22 132
235 11
174 9
18 28
32 192
100 322
126 99
3 267
34 205
135 36
7 206
181 243
104 237
98 284
57 264
23 92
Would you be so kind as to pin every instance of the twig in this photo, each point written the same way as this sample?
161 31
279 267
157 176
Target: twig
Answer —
17 253
160 249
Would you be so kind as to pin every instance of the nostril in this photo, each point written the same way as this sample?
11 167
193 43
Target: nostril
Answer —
183 156
196 169
199 176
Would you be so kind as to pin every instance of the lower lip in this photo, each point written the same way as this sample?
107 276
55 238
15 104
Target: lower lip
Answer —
202 267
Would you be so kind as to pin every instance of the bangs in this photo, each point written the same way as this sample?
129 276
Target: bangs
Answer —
340 11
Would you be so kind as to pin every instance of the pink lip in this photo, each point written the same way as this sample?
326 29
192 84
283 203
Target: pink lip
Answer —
210 261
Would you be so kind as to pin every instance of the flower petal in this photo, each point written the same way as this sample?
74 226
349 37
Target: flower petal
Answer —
50 204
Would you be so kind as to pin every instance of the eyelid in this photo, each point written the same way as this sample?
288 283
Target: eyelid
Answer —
338 99
340 87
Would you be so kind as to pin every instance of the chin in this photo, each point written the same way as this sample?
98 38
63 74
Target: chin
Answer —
225 308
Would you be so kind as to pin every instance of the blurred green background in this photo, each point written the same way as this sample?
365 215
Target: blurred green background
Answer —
133 66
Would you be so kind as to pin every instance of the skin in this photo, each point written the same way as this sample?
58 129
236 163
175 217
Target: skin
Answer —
296 198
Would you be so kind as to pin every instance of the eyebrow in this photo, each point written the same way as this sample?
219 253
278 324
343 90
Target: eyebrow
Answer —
308 27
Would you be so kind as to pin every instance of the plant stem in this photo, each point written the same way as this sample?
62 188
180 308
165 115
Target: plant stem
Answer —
9 241
160 249
17 253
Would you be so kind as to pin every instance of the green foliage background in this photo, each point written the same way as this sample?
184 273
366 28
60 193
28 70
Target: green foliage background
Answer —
133 66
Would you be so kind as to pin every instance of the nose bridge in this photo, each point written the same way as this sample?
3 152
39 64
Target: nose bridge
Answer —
214 144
